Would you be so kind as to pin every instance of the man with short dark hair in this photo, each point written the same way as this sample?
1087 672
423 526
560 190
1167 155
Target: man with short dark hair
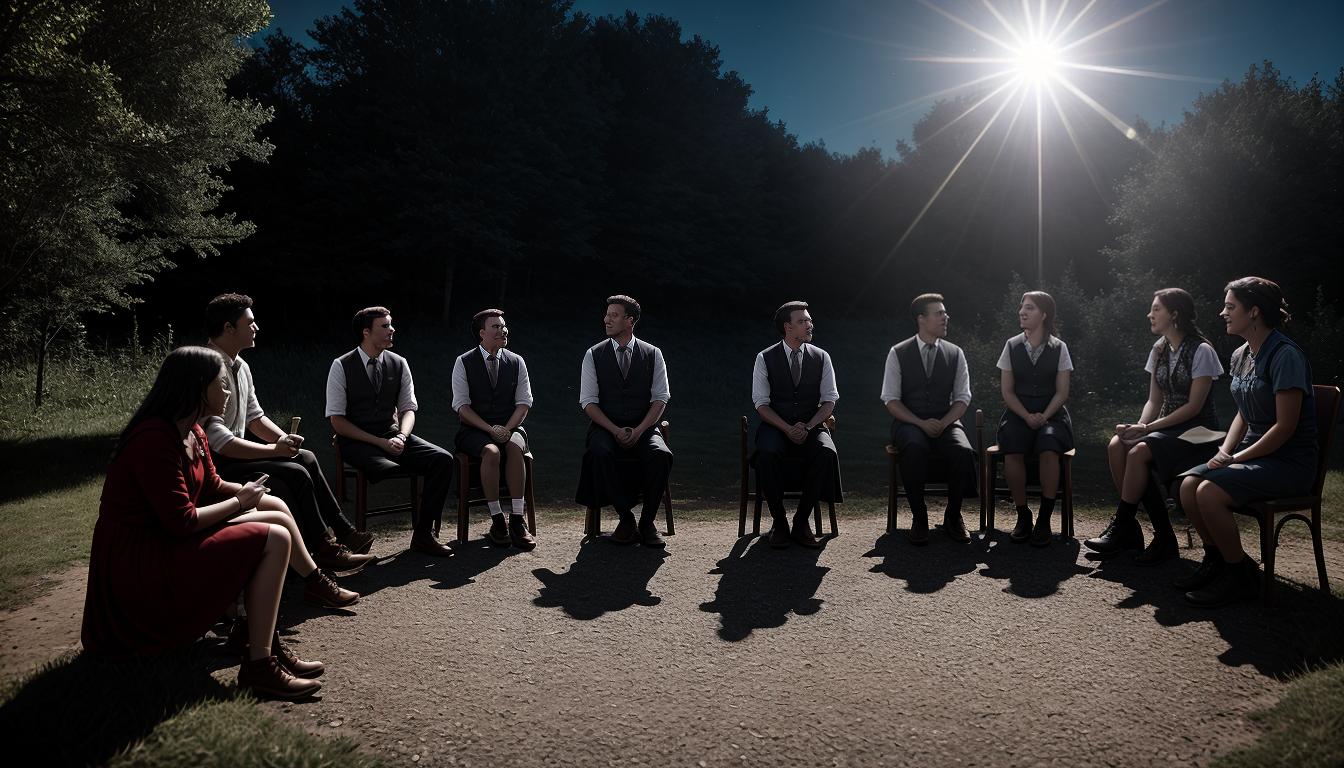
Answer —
926 388
295 475
793 389
492 395
371 404
623 390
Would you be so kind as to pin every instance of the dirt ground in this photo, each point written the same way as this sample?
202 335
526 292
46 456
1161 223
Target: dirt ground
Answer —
721 651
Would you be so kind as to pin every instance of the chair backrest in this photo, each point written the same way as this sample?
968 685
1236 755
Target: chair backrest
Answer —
1327 413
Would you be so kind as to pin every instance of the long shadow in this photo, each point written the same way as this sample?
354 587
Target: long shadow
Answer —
1304 629
82 711
1031 572
603 578
30 467
759 587
927 568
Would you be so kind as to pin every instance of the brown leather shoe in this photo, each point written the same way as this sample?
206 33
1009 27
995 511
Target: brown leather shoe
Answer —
338 558
626 532
649 535
919 530
779 536
321 590
426 544
358 542
292 663
519 535
802 533
268 680
499 531
955 529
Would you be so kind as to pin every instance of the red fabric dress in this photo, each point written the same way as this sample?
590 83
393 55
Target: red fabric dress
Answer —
156 581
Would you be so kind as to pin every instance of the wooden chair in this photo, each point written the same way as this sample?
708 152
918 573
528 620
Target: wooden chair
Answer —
991 489
1327 413
791 492
470 493
362 480
936 463
592 525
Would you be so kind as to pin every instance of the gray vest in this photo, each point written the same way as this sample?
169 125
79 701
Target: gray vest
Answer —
375 414
927 396
799 403
624 400
493 404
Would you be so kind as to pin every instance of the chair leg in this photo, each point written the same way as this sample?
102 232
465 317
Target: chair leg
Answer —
530 498
1316 544
756 523
593 525
1268 543
742 514
361 501
463 513
667 506
835 529
1066 521
817 516
893 497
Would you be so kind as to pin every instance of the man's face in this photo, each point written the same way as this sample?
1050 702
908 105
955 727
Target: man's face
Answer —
380 334
799 326
495 334
934 320
616 321
242 333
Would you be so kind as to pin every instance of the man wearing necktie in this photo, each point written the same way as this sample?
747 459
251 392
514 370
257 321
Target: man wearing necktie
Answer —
926 388
492 395
793 389
371 405
623 390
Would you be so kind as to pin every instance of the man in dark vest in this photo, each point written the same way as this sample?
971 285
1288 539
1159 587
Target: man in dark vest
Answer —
793 389
492 395
623 390
926 388
371 405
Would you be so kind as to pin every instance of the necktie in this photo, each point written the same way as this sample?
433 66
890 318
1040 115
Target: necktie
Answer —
492 365
929 352
375 376
623 358
796 365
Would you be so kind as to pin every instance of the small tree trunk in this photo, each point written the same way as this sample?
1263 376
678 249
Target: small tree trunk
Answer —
41 373
449 273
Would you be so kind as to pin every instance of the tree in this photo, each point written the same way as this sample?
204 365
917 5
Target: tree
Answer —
115 124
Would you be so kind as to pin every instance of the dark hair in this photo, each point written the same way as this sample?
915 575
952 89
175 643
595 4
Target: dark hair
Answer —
478 321
224 309
364 320
1181 304
178 390
631 306
1265 294
1046 303
785 313
921 304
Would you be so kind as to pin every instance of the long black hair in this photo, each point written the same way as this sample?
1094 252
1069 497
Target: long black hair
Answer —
179 388
1182 305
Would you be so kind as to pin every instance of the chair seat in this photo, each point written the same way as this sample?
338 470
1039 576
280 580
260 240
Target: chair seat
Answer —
1294 504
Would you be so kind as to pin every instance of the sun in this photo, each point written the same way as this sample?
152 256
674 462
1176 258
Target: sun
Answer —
1036 62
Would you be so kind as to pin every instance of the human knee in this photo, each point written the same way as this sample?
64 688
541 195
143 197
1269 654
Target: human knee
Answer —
1140 452
279 535
490 453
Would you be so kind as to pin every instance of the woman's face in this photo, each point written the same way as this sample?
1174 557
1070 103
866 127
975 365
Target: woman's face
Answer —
1029 316
1160 319
217 395
1236 315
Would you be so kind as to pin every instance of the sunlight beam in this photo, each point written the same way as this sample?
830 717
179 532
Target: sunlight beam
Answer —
1050 35
1120 125
1138 73
1076 19
972 108
1004 22
899 108
966 25
1112 26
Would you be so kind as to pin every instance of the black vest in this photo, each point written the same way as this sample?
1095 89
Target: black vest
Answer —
1033 382
493 404
927 397
1172 374
375 414
799 403
624 400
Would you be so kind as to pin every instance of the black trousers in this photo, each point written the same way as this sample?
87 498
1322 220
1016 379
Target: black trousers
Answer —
916 448
819 460
654 457
299 482
420 457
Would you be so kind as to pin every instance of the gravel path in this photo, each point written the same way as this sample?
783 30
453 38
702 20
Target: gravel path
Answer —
723 652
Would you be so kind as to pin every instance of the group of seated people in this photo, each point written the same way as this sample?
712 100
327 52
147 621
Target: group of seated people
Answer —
194 514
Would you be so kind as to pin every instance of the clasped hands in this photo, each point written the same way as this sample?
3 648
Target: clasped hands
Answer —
1131 434
1036 420
625 436
289 444
500 434
1221 459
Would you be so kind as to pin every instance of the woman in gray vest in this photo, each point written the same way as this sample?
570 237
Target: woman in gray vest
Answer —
1035 384
1270 449
1146 457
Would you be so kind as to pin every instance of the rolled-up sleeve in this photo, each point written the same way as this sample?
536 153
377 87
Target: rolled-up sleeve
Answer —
335 390
217 434
659 391
829 392
760 382
891 378
587 381
461 390
522 393
961 382
406 397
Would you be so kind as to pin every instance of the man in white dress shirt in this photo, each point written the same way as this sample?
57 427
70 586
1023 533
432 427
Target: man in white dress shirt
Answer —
793 389
371 405
926 388
623 390
491 396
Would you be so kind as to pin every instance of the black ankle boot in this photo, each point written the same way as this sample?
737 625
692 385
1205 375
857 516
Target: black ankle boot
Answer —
1122 533
1236 582
1162 549
1040 535
1208 570
1021 531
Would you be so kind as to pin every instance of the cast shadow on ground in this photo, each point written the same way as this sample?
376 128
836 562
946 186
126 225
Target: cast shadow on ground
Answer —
1303 630
759 587
1031 572
46 465
928 568
604 577
83 711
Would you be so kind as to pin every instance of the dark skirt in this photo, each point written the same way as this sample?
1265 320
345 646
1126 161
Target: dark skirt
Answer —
472 441
1016 437
1270 477
1173 456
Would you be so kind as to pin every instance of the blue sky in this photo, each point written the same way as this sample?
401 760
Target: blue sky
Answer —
833 71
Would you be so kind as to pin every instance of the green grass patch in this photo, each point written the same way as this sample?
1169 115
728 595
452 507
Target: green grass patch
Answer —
45 533
1305 729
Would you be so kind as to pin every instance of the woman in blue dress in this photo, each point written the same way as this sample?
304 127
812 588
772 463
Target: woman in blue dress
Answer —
1270 449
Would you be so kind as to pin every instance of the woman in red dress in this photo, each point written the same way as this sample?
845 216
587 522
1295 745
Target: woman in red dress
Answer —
174 545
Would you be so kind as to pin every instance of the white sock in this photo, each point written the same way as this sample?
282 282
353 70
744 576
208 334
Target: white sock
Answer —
517 506
494 508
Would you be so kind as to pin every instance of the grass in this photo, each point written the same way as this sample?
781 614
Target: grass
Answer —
1305 729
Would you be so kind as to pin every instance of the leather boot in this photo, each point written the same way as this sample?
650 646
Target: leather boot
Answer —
1208 570
499 531
1161 549
321 590
519 535
291 661
919 529
338 558
1122 533
1021 531
1234 583
268 680
1040 535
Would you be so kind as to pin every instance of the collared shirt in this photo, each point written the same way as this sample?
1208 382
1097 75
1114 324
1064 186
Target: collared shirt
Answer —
1034 353
242 408
760 380
588 394
891 378
336 399
522 393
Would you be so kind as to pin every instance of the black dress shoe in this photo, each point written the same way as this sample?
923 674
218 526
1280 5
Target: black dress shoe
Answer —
1021 531
1040 535
649 535
919 529
519 535
1234 583
1119 535
1160 550
955 529
779 536
499 531
1208 570
625 532
425 543
802 533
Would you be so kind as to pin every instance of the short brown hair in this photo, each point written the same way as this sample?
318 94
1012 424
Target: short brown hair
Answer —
921 304
478 320
224 309
631 306
1046 303
785 313
364 320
